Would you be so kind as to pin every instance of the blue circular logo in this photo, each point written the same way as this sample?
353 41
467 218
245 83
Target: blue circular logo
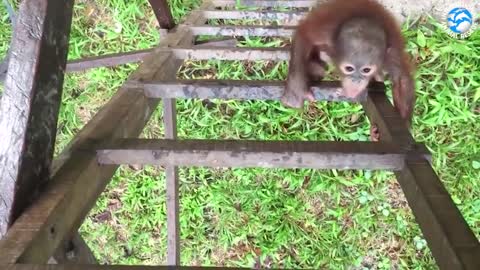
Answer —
459 20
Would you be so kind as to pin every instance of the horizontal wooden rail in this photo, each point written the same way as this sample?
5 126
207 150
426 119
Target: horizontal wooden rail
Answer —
265 3
110 267
264 154
241 30
238 90
228 53
288 16
107 60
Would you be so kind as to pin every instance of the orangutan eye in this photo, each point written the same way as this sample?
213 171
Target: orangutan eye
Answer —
349 68
366 70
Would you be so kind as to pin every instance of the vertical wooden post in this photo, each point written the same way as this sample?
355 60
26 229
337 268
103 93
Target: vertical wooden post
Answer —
30 103
171 174
163 13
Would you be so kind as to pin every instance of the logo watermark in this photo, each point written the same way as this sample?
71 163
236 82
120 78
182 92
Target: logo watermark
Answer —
459 19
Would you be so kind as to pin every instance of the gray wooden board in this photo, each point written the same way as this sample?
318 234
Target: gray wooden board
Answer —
265 154
244 30
107 60
228 53
112 267
287 17
239 89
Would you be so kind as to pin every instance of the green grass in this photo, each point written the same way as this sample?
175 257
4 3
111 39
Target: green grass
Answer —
275 217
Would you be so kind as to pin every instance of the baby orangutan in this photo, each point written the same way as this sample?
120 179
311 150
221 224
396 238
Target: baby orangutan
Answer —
362 40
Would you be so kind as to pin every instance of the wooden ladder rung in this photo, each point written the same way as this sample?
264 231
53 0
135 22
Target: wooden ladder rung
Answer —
289 16
230 53
264 154
244 30
238 89
265 3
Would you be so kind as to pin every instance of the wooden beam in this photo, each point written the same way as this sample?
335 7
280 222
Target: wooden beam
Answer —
79 180
244 30
30 103
172 196
74 251
228 53
264 154
163 13
238 89
107 60
287 17
451 241
266 3
111 267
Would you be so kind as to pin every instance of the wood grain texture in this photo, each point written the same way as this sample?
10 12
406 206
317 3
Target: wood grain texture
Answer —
238 89
79 179
172 192
111 267
264 154
451 241
30 103
108 60
284 17
228 53
244 30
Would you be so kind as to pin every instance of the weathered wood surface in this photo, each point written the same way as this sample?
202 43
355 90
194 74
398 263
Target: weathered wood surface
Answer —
30 103
163 13
264 154
115 59
111 267
286 17
239 89
244 30
172 196
227 53
79 179
266 3
452 242
108 60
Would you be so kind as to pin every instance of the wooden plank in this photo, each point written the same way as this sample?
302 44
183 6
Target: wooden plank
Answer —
115 59
217 42
266 3
244 30
163 13
238 89
30 103
172 193
287 17
79 179
245 154
108 60
228 53
111 267
451 241
171 172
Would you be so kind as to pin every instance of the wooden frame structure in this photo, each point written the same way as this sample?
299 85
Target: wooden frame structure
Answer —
42 227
